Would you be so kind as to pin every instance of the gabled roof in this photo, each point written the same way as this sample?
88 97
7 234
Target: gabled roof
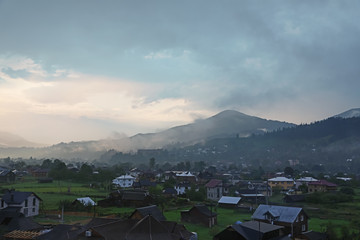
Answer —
213 183
253 229
152 210
204 210
229 200
148 228
284 214
13 219
62 232
14 197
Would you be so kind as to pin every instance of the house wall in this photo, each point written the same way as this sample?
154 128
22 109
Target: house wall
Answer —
194 216
281 184
214 193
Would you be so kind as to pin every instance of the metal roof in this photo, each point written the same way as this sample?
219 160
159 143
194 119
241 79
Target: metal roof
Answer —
285 214
229 200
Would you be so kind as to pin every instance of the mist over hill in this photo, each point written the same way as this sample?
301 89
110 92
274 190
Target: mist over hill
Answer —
228 123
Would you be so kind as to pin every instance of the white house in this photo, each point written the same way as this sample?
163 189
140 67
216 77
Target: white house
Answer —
28 201
124 181
182 188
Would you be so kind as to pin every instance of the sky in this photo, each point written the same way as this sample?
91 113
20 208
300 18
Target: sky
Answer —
85 69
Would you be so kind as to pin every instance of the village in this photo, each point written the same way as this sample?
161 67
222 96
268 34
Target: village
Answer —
172 204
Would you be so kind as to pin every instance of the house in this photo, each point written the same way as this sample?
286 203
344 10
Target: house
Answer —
28 202
124 181
229 202
133 229
40 173
199 214
304 181
11 219
7 175
127 198
214 189
283 183
144 184
293 219
253 198
186 177
182 188
170 192
152 210
86 201
249 231
321 186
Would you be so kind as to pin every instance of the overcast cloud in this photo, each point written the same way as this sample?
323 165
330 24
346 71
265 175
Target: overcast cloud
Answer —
79 70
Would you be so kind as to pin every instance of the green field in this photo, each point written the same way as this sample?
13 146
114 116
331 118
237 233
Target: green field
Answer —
340 216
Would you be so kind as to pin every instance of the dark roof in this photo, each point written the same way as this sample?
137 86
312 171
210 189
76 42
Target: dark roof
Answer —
62 232
13 219
204 210
133 196
323 182
311 235
284 214
213 183
5 172
148 228
14 197
169 191
263 227
152 210
250 230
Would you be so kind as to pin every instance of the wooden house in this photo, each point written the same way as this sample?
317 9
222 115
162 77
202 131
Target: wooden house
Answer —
199 214
321 186
293 219
152 210
250 230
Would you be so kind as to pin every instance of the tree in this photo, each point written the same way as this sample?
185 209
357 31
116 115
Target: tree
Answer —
152 163
288 171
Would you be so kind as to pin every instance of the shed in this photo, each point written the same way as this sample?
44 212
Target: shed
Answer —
229 202
199 214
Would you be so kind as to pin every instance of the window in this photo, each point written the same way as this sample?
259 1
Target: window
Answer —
302 218
303 228
33 210
2 203
34 201
26 202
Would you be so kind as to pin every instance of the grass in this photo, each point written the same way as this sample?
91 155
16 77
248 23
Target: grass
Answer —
339 215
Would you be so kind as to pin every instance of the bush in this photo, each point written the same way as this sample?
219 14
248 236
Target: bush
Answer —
347 190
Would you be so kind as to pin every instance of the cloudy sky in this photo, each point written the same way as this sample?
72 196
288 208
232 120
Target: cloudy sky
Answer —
85 69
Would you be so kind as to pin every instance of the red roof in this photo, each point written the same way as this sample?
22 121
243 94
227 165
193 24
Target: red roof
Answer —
213 183
324 183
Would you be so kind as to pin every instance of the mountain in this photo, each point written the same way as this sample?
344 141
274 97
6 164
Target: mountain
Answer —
228 123
355 112
12 140
225 124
